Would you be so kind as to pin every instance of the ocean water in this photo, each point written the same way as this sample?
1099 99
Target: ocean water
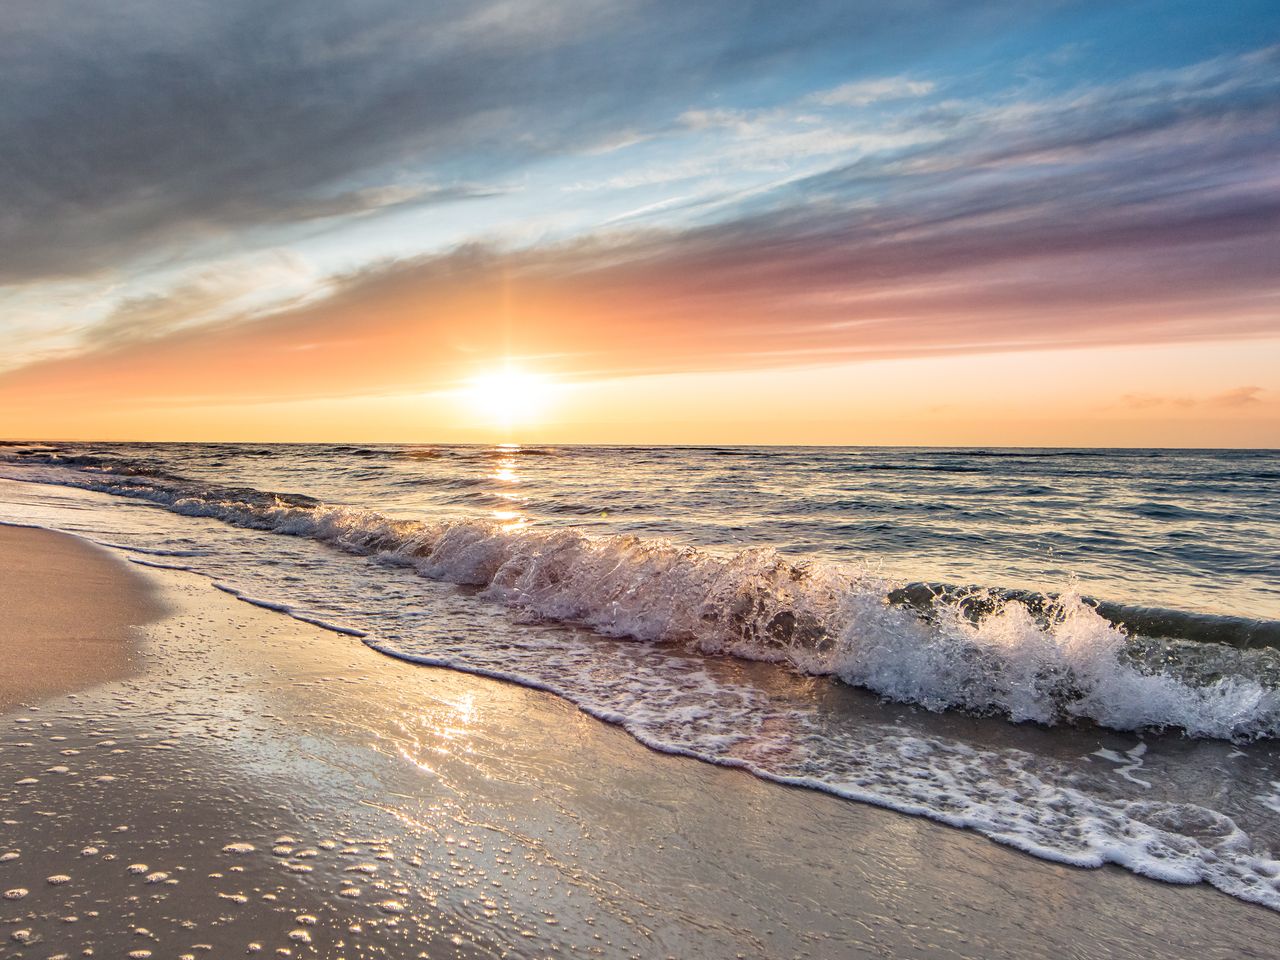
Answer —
1073 652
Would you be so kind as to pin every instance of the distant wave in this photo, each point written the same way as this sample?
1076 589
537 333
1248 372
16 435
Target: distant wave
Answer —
1028 657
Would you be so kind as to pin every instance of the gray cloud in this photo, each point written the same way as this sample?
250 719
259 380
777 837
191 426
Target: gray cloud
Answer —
144 122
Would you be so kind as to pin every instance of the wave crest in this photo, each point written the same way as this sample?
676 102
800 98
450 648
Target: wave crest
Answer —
1050 661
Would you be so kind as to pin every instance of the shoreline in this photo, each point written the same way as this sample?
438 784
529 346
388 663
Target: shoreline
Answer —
289 787
71 610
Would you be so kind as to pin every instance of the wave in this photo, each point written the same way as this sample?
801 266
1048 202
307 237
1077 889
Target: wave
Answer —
1028 657
1155 622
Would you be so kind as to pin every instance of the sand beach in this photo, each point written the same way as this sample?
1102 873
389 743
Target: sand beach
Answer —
67 611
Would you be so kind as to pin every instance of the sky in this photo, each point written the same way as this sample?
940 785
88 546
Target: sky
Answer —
919 222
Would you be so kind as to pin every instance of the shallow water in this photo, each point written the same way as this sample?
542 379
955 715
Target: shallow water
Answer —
720 604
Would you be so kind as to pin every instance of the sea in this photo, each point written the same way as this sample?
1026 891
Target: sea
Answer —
1072 652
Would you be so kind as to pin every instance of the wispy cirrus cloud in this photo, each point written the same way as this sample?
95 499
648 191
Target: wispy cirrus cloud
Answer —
862 93
226 290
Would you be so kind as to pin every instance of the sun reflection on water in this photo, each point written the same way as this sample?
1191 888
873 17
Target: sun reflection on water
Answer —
443 730
506 471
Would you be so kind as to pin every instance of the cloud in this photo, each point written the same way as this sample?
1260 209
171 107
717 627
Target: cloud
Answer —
862 93
369 200
1239 397
147 124
214 292
1142 210
1235 399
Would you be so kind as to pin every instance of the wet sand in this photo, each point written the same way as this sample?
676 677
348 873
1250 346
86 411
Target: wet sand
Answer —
68 612
263 786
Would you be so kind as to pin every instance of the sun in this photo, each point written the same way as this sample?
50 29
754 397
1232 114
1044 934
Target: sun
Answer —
509 396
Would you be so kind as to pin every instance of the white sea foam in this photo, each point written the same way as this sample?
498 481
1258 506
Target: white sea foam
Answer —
819 618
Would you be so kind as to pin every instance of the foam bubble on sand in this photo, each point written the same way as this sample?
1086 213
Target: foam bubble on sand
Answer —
22 936
17 893
138 868
391 906
27 781
158 876
57 880
11 855
89 852
299 936
350 893
239 848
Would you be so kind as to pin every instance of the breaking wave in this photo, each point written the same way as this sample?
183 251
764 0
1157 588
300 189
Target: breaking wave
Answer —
1027 657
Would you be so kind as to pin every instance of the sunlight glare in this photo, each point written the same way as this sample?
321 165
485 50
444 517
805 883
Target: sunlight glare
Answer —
509 396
